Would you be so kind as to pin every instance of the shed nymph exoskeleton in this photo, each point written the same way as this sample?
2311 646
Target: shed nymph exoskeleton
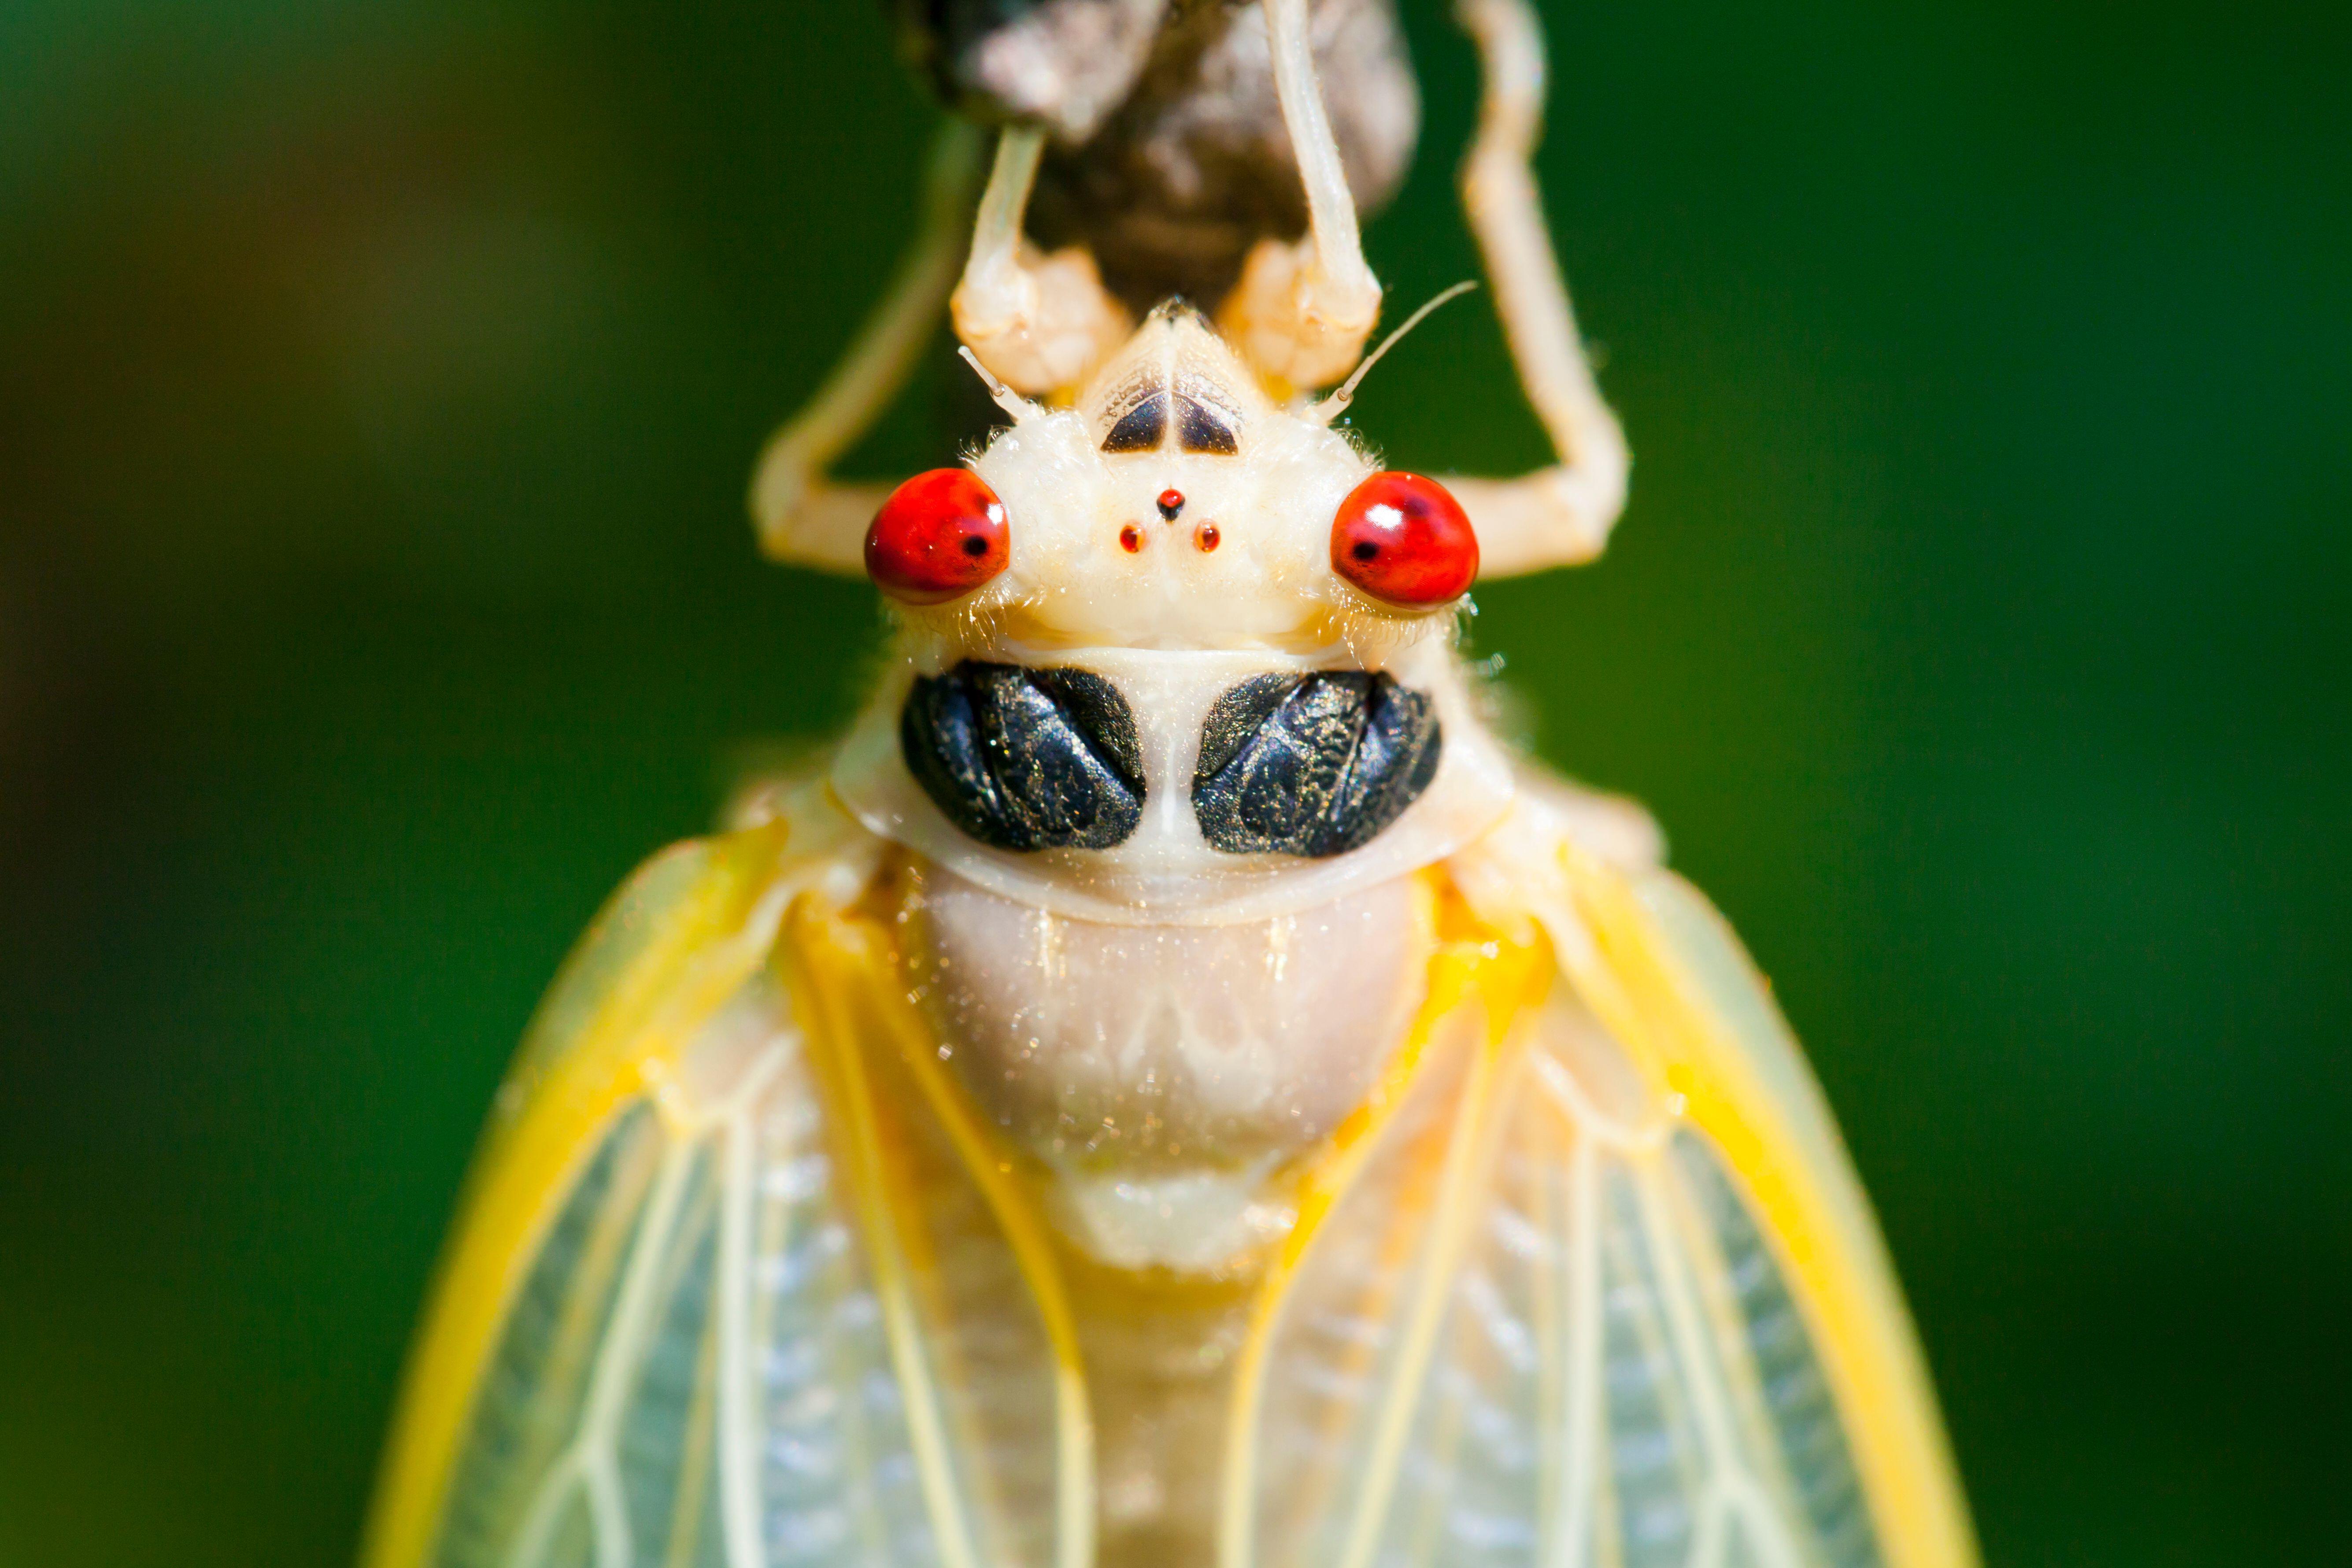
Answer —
1172 1086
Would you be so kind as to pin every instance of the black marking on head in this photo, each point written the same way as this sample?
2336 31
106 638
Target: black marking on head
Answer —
1203 427
1025 758
1142 428
1314 765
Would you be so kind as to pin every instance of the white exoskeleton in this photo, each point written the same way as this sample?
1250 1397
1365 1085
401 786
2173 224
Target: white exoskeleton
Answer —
1172 1088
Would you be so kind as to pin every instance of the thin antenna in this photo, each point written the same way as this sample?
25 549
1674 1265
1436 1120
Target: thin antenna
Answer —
1005 397
1331 408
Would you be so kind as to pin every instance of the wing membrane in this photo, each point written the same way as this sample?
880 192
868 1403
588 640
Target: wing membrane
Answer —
742 1283
537 1382
725 1294
1784 1393
1618 1373
1688 1007
1666 1334
1337 1359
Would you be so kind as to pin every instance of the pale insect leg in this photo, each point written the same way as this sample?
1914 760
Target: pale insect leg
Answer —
1038 321
801 515
1558 515
1301 312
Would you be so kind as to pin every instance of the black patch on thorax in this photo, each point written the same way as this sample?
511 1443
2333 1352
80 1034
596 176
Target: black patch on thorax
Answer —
1314 764
1025 758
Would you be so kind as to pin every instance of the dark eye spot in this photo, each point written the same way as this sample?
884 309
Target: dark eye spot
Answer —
1201 429
1366 550
1141 427
973 545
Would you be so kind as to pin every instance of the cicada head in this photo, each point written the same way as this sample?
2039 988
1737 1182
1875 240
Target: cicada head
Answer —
1175 504
1173 651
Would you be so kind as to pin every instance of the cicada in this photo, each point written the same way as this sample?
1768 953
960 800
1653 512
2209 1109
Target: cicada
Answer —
1172 1086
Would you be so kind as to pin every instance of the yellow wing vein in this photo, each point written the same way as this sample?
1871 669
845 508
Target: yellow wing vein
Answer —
552 1113
1025 1232
1617 957
1506 977
843 1072
1428 1310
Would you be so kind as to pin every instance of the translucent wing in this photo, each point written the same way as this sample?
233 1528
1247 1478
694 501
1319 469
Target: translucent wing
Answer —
723 1293
1609 1296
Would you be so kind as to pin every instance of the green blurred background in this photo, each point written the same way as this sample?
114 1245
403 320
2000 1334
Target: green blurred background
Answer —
377 387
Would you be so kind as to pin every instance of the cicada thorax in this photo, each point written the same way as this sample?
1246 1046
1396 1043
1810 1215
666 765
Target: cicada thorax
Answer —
1168 912
1164 1076
1185 1107
1172 1081
1173 929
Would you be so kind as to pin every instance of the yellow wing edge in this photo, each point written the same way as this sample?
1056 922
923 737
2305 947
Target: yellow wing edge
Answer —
679 964
692 930
1749 1092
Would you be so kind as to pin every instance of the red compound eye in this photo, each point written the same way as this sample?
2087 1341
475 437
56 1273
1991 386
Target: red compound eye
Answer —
1404 540
940 535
